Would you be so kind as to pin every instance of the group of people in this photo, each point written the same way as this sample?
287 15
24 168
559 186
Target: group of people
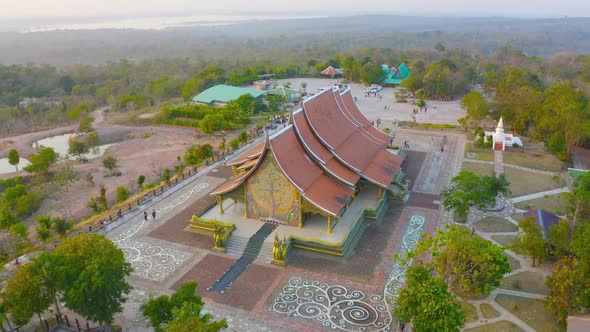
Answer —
145 215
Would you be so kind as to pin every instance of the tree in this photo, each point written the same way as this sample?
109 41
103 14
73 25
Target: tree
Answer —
92 272
13 158
77 148
140 181
196 154
475 105
565 110
222 144
166 175
467 189
234 143
189 318
85 124
569 288
440 47
371 73
531 243
212 123
163 312
41 161
157 311
122 194
110 163
61 226
469 264
26 295
65 175
426 302
243 137
66 83
102 197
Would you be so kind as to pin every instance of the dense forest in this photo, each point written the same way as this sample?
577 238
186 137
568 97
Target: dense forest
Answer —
543 98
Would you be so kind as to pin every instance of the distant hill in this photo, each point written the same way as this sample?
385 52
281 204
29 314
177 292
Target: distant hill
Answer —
541 37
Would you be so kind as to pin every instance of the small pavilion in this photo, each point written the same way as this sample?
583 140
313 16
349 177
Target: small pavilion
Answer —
332 72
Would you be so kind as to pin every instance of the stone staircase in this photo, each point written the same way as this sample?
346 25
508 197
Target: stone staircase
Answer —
235 245
265 255
257 240
250 252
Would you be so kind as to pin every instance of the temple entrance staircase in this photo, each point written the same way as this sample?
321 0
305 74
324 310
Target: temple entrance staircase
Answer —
250 253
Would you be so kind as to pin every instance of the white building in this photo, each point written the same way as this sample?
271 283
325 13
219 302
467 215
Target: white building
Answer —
501 139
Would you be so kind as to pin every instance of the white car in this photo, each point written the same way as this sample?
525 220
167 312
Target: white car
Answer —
376 87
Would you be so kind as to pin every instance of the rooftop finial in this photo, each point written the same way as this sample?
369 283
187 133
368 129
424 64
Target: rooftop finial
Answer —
501 123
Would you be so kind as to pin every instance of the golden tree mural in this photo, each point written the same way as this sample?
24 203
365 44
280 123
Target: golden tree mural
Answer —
271 191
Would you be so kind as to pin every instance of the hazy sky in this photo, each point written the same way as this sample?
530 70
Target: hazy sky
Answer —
69 8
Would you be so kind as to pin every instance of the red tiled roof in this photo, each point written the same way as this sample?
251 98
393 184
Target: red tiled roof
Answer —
249 163
237 180
330 71
251 153
352 109
315 148
230 184
317 187
343 134
326 119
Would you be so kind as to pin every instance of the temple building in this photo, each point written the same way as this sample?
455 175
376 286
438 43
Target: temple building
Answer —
500 139
319 178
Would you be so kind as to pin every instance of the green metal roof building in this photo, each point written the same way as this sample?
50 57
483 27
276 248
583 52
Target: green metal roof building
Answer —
395 76
223 94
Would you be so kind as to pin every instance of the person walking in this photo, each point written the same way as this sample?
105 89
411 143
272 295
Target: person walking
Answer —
154 214
145 216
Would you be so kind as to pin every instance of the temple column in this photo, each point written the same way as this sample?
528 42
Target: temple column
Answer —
220 203
380 193
234 170
300 211
330 220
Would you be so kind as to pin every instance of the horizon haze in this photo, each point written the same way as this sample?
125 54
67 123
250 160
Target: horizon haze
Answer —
72 9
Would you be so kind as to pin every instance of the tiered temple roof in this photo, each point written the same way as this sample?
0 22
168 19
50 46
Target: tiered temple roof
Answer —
325 150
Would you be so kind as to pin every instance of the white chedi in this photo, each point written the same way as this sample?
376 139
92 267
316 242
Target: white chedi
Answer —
500 139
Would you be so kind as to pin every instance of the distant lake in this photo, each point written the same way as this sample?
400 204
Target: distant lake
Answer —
160 23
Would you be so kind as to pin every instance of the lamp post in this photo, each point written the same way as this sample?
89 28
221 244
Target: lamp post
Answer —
437 85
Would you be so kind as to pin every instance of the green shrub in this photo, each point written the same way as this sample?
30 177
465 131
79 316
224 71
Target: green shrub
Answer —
122 194
19 229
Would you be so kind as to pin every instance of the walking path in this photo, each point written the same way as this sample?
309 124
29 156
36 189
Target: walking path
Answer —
539 195
522 168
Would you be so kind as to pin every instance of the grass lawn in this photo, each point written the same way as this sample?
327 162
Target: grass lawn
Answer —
527 281
504 240
495 225
552 203
501 326
531 312
533 159
488 311
471 313
514 263
521 182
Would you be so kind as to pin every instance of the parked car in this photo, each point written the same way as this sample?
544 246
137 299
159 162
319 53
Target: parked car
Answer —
376 87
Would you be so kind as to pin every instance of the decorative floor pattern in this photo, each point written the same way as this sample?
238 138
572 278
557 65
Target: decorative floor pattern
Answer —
337 307
151 261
